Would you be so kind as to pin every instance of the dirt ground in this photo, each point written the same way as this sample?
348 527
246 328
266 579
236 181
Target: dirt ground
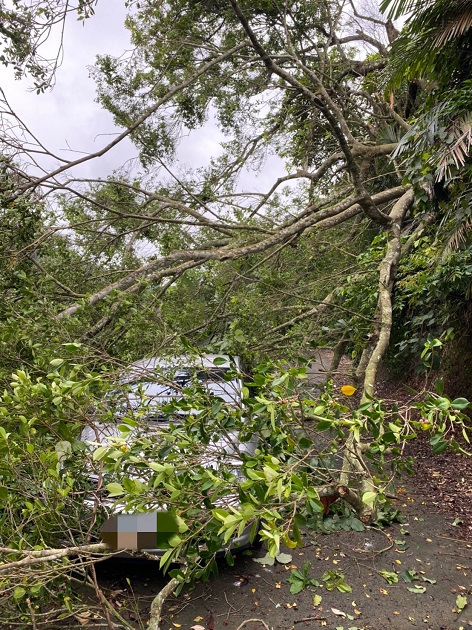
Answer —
423 549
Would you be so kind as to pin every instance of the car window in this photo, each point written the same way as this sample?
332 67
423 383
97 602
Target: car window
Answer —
159 392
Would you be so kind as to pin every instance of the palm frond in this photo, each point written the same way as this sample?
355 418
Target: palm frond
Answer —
457 25
457 152
458 238
396 8
420 50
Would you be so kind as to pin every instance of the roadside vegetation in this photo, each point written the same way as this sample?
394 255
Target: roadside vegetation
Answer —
362 246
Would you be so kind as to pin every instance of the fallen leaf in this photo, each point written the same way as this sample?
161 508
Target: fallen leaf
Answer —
348 390
197 627
340 613
417 589
265 560
283 558
317 600
383 591
461 603
210 621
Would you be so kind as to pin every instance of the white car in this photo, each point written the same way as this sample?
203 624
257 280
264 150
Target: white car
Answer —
144 389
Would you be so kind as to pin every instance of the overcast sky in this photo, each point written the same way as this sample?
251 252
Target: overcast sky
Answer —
68 120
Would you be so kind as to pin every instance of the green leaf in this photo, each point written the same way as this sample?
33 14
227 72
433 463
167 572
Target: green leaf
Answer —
283 558
220 361
369 497
417 589
19 592
389 576
280 380
460 404
220 514
72 347
438 446
409 576
343 587
100 453
56 362
115 489
157 467
355 524
461 603
296 586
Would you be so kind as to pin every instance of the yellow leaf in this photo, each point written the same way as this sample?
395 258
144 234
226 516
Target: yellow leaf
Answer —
348 390
291 544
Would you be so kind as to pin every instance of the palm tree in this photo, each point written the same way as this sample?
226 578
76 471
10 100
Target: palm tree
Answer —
435 41
435 48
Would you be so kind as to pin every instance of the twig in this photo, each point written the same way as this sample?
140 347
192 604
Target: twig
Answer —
387 536
31 612
101 598
459 540
241 625
113 611
309 619
157 603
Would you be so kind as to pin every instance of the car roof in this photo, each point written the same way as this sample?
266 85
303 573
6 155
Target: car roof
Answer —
204 361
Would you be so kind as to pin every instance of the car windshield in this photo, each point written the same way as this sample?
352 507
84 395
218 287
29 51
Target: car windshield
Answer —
155 393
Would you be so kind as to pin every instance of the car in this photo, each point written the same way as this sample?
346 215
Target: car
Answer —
147 390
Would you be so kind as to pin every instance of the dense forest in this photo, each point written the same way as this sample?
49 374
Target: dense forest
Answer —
361 245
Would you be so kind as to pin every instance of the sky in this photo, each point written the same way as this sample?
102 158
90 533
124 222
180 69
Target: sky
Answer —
67 118
69 121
